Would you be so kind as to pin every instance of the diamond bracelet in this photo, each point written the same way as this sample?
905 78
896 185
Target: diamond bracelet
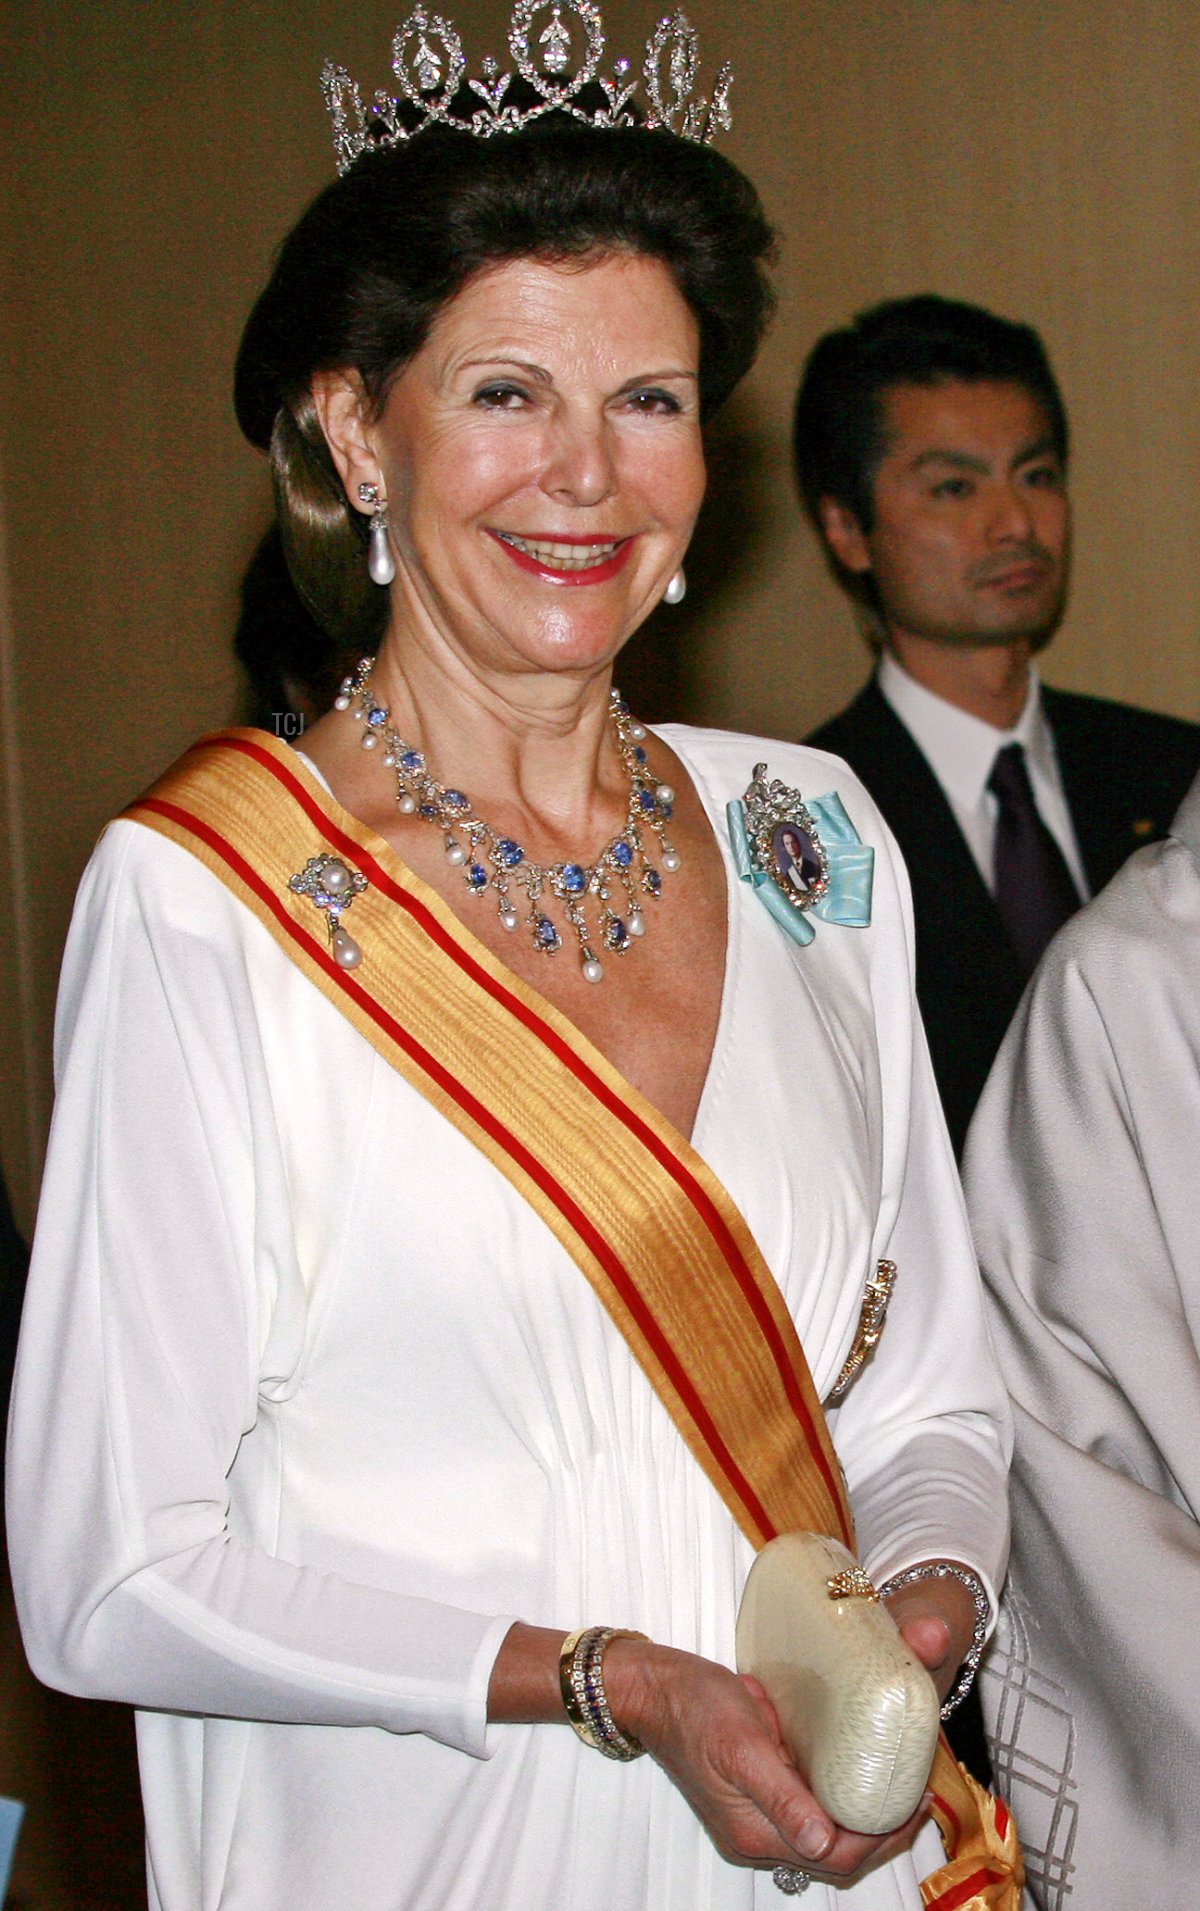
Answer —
581 1681
983 1612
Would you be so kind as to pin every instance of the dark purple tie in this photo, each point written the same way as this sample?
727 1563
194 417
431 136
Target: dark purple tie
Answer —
1035 892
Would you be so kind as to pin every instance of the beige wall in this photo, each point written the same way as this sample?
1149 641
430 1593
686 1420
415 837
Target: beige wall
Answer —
1042 159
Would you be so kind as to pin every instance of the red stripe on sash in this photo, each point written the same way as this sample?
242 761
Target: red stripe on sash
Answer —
960 1894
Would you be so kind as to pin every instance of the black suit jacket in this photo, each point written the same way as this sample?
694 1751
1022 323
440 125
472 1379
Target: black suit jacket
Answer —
1125 773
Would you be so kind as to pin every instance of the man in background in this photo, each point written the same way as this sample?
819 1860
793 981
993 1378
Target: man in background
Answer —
931 448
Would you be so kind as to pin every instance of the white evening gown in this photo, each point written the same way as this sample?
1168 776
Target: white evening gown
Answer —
311 1404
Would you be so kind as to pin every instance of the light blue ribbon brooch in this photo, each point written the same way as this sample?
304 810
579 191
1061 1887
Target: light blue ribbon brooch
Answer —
802 859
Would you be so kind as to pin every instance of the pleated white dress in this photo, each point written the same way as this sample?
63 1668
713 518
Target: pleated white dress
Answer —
311 1405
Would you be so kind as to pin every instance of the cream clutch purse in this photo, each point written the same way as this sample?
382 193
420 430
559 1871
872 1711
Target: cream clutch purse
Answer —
858 1710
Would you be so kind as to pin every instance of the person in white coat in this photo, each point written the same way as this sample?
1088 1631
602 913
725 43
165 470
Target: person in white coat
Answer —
1081 1177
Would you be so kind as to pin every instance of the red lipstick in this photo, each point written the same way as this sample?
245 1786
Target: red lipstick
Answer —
590 574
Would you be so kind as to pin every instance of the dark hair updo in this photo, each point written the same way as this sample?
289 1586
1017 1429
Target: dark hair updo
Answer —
360 279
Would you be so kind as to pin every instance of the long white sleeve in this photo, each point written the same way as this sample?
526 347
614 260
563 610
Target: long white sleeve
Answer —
167 1302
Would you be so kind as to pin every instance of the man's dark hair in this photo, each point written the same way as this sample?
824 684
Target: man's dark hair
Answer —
838 434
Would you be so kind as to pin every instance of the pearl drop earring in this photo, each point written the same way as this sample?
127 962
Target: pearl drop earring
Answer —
676 590
381 565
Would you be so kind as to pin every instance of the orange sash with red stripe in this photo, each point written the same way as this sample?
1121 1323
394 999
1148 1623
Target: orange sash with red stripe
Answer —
641 1214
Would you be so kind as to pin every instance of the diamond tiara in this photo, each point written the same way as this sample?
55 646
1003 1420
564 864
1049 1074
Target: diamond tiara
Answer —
429 63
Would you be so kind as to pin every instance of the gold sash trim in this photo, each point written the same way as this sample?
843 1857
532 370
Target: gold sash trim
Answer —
986 1871
648 1223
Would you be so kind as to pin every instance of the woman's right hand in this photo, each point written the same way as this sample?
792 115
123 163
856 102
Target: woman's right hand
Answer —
716 1735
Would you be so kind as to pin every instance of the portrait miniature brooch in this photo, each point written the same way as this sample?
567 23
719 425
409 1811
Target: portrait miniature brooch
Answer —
803 859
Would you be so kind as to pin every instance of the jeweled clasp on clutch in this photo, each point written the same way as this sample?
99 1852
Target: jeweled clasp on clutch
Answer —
851 1584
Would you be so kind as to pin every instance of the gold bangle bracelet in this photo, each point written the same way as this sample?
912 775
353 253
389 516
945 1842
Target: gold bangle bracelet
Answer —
581 1681
566 1683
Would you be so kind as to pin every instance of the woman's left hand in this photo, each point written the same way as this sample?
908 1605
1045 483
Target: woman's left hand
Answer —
936 1618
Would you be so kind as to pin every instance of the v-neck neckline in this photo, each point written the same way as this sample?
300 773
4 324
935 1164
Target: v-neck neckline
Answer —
541 1004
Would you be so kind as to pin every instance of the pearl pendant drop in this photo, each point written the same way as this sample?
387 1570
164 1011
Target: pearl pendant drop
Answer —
381 565
455 854
670 861
593 971
346 952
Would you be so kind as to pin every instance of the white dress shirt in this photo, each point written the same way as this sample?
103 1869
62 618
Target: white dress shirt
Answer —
961 750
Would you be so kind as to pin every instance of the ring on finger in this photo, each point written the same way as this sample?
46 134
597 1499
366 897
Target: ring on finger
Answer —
790 1880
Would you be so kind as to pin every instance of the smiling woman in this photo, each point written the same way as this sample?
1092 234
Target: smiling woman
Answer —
547 432
385 250
463 1189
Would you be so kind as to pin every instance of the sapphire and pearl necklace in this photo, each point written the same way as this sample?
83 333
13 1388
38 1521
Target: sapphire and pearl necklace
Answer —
619 879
